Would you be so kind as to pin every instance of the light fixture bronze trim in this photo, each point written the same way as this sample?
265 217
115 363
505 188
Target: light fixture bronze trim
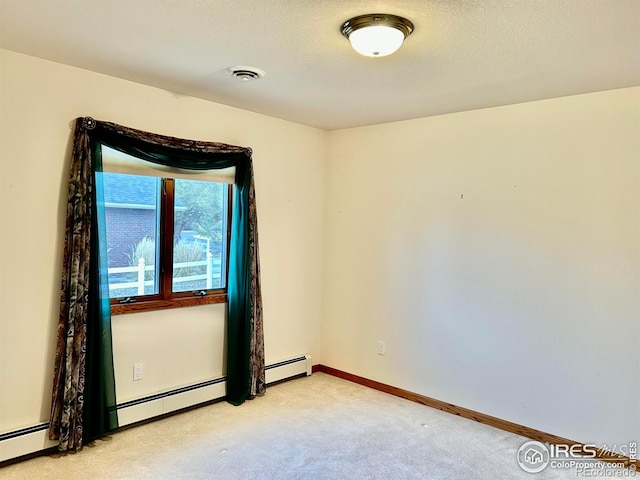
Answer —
374 19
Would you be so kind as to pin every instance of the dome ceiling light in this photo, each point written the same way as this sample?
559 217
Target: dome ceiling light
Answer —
376 34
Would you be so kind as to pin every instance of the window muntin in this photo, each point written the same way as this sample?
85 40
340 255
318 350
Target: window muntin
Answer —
167 240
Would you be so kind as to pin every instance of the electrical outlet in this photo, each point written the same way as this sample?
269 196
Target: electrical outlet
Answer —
138 371
382 347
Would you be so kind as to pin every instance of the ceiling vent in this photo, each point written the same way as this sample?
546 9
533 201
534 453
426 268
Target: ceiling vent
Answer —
246 74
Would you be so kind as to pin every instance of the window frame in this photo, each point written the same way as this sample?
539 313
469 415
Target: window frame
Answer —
166 298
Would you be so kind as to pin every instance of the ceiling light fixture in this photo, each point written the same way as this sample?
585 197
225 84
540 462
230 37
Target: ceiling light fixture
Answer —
376 34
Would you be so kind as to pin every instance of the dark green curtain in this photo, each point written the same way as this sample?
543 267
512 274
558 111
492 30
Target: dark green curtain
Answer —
87 404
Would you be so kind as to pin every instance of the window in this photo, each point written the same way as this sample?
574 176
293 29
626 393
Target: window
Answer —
167 241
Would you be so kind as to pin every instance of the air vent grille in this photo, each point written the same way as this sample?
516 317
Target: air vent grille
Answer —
246 74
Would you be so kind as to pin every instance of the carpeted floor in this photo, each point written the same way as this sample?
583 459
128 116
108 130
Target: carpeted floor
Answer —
318 427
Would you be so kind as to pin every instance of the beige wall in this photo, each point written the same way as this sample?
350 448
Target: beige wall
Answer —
497 253
39 101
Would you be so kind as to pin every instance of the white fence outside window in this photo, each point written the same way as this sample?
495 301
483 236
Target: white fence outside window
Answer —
212 275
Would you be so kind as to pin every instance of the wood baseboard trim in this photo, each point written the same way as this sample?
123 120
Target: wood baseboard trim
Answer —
495 422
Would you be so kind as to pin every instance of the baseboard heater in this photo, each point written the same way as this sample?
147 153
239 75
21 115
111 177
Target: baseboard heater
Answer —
32 439
287 369
145 408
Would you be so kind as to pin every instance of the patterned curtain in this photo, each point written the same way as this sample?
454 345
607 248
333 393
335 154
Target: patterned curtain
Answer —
83 400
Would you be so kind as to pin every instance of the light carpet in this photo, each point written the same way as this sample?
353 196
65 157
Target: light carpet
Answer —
317 427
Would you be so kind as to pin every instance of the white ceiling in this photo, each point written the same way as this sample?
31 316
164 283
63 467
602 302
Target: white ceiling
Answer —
463 54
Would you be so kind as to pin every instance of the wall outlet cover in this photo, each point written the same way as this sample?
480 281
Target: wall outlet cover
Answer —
138 371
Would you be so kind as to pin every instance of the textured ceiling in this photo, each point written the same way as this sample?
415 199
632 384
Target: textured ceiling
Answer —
463 54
